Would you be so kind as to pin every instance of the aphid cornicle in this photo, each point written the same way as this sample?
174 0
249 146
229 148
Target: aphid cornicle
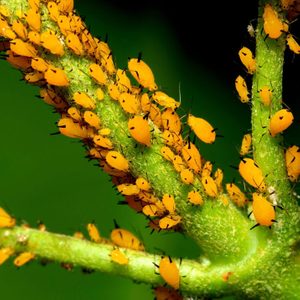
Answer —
169 271
247 59
280 121
241 87
139 129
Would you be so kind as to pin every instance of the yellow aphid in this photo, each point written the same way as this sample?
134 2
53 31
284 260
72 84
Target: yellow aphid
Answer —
292 43
97 73
78 235
139 129
187 176
102 141
265 94
169 203
142 73
129 103
108 63
114 91
74 44
128 189
273 26
241 87
117 161
218 176
39 64
191 156
178 163
207 169
53 10
51 98
202 129
236 195
34 77
51 42
23 259
164 100
33 19
65 6
172 139
22 48
280 121
5 253
34 4
56 76
34 37
124 238
292 160
142 184
247 59
84 100
64 24
94 233
99 94
167 153
4 11
246 144
263 210
155 115
104 131
169 221
150 210
171 121
123 81
145 103
72 129
5 29
20 29
6 220
119 257
195 198
92 119
169 271
75 113
210 186
252 174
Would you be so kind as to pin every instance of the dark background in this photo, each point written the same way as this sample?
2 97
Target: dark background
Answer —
47 178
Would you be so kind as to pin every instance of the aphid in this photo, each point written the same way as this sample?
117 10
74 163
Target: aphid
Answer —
155 115
20 29
97 73
65 6
246 144
192 157
102 141
292 43
110 170
34 4
210 186
172 139
280 121
119 257
164 100
251 30
123 81
56 76
78 235
41 226
104 131
167 153
218 177
124 238
4 11
34 37
5 253
64 24
72 129
33 19
74 44
148 197
74 113
22 48
129 103
247 59
265 94
92 119
6 220
178 163
53 10
273 26
252 174
51 42
169 203
94 233
113 91
187 176
34 77
139 129
226 276
142 184
117 161
207 169
39 64
99 94
5 29
171 121
195 198
169 271
202 129
241 87
50 97
164 293
169 221
292 160
23 259
84 100
142 73
128 189
285 4
236 195
108 63
263 211
145 103
150 210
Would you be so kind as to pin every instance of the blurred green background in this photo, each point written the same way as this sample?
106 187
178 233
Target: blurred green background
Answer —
47 178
